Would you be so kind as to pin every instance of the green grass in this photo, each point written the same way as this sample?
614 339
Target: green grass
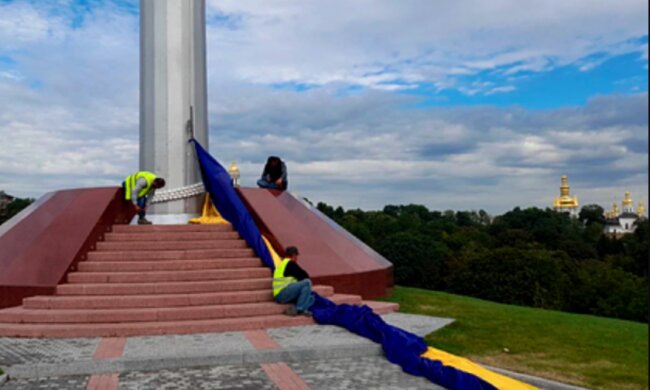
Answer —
589 351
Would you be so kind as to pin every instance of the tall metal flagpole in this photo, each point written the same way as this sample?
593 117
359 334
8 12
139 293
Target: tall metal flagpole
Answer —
173 98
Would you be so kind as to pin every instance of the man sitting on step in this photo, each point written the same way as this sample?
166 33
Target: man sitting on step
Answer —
139 188
291 284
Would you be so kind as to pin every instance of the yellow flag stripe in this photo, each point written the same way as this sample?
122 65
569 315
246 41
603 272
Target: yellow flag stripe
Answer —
497 380
276 258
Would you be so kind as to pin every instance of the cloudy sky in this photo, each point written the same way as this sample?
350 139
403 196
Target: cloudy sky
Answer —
451 104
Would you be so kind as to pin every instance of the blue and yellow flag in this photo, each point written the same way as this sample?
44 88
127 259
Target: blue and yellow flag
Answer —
406 349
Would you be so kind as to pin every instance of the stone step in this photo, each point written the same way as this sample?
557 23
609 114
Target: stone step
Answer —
180 313
157 246
150 328
74 330
346 298
170 228
382 307
171 236
163 287
168 276
161 300
166 265
194 254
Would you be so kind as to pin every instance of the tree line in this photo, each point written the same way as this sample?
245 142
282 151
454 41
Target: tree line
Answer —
13 207
531 257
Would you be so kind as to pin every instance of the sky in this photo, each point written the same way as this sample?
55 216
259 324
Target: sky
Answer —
453 105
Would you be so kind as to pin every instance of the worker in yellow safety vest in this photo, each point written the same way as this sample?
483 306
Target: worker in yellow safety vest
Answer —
139 189
291 284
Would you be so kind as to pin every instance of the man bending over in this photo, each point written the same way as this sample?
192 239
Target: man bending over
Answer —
139 188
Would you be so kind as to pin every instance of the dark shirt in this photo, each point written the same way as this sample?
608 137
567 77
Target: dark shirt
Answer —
293 269
275 172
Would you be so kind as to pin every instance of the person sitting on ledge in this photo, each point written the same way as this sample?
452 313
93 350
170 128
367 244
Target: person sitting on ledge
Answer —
291 284
274 175
139 188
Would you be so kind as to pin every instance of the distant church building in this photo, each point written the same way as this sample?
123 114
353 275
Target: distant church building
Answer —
565 202
619 222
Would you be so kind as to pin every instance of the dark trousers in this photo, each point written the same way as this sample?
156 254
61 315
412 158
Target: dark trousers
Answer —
141 202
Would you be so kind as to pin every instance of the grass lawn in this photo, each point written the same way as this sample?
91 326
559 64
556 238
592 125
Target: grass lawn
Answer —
589 351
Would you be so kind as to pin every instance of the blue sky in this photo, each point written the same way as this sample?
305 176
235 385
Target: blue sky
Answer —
557 87
454 105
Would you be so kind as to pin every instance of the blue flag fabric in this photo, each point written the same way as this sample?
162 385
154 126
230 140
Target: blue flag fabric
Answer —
401 347
217 182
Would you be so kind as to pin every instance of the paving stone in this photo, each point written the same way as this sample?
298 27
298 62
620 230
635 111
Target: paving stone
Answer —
359 373
59 383
315 336
248 377
331 336
186 345
21 351
417 324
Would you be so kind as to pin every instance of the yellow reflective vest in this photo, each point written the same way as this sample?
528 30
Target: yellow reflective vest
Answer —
131 180
279 280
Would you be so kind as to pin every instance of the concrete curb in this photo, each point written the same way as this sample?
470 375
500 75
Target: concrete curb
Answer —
542 383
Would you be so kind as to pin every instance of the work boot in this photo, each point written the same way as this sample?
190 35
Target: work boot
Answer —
291 311
306 313
144 221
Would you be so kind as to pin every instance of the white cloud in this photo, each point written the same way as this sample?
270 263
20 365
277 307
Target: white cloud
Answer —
69 99
307 42
503 89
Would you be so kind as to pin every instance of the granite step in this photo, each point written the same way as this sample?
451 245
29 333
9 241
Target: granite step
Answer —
163 279
382 307
74 330
182 313
171 236
170 228
350 299
160 300
167 265
163 287
156 246
194 254
168 276
21 314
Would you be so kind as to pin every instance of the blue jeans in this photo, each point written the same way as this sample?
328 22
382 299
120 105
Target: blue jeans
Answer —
299 292
262 183
141 202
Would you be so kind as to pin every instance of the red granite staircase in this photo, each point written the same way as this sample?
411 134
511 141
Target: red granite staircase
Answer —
162 279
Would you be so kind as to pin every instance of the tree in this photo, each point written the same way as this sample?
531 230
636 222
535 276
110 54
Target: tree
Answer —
13 208
418 261
533 257
530 277
610 292
592 213
325 209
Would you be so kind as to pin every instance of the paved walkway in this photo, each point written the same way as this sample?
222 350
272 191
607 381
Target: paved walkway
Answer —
303 357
